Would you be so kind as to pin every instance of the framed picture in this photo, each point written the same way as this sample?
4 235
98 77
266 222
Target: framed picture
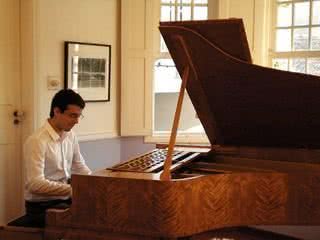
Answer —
87 70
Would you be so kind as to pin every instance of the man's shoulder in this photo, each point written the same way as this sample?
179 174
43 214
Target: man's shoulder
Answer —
39 135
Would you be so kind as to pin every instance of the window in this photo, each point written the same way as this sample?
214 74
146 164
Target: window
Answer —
167 80
297 36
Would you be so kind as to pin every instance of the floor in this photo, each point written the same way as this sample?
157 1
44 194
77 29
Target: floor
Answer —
240 233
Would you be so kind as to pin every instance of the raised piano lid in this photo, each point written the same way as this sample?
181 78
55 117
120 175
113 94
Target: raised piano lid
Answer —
239 103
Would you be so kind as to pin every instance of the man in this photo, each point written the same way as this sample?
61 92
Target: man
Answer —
51 155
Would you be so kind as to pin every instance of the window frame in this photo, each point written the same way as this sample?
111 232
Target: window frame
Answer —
292 54
182 137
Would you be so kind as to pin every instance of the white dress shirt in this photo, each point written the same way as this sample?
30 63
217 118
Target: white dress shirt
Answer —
49 161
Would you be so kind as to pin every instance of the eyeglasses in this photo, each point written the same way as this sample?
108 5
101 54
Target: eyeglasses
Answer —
74 115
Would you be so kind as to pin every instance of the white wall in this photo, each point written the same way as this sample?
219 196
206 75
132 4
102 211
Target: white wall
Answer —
104 153
93 21
101 154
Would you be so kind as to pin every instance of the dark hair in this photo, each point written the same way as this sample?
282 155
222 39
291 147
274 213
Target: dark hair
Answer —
66 97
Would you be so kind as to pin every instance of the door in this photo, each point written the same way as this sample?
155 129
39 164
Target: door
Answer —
11 195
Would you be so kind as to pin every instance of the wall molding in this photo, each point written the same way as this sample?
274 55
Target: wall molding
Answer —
93 136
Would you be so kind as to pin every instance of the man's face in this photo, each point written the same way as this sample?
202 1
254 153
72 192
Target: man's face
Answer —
66 120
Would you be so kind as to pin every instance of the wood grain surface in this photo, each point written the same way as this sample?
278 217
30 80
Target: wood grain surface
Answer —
175 208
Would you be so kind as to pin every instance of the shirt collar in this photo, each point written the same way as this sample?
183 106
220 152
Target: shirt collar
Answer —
54 135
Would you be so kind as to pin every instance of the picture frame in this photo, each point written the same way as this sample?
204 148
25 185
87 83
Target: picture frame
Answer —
87 70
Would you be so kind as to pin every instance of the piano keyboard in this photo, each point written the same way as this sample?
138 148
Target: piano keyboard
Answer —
149 162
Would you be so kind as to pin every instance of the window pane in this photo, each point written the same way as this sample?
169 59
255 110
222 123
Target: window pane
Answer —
284 18
166 87
315 38
166 77
167 1
163 46
298 65
301 13
167 13
165 103
306 35
300 39
201 1
316 12
200 13
184 13
283 41
314 66
280 63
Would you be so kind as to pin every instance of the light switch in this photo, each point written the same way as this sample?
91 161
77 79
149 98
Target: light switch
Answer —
53 83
